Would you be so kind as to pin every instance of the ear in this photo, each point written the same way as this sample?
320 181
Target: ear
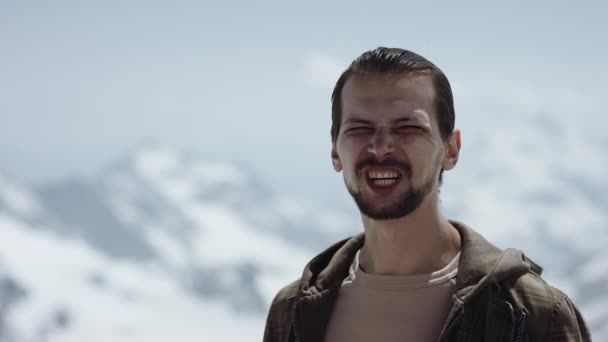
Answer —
453 151
335 159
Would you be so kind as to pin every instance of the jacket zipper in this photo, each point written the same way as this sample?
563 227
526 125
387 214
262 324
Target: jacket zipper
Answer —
446 333
520 327
293 322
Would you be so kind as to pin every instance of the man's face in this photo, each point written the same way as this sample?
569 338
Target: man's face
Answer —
389 146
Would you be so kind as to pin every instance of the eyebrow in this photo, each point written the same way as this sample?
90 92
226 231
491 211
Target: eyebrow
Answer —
357 120
369 122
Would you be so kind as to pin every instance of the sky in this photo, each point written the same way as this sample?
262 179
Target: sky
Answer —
84 83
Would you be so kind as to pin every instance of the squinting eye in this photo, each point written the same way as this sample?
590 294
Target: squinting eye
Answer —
409 128
358 130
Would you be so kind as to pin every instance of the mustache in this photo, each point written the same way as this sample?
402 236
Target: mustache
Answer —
372 161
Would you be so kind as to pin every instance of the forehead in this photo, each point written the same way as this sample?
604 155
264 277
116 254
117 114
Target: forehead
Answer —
387 95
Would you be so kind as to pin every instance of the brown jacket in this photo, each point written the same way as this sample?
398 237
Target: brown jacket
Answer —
499 296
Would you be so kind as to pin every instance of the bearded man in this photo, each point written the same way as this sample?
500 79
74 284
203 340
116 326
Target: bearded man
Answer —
413 274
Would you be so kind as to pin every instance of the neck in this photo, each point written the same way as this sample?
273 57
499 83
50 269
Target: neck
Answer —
420 242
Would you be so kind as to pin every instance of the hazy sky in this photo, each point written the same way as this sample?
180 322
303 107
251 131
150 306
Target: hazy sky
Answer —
83 83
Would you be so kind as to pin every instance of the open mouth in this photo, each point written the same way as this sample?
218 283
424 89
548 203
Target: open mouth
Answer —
383 178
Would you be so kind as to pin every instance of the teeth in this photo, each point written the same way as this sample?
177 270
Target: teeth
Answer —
382 175
384 182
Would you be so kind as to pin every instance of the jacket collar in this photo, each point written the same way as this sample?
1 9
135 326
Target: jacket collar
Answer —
480 262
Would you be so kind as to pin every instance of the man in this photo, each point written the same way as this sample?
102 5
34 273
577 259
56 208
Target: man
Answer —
413 275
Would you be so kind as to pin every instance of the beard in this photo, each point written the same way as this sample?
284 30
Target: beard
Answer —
405 203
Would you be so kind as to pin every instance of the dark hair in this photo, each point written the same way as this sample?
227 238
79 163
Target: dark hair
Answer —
393 60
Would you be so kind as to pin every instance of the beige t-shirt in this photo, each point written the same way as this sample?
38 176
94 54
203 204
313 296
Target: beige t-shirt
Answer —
392 308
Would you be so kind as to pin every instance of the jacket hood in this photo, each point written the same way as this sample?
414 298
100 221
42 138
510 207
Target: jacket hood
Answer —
481 264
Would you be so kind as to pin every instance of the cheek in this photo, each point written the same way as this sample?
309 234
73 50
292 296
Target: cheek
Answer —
349 149
425 161
355 142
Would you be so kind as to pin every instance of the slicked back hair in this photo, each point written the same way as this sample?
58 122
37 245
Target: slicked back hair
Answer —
398 61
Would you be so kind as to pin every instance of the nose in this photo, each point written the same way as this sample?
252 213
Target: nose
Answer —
381 144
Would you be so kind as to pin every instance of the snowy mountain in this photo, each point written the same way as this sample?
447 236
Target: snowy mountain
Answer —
161 245
164 244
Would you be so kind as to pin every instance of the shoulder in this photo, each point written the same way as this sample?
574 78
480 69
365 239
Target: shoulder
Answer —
551 313
287 293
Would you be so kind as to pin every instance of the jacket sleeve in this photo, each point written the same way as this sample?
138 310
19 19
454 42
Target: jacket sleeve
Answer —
275 323
567 324
279 315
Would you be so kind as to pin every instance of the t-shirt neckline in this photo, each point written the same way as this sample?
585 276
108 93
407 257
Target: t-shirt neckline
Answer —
402 282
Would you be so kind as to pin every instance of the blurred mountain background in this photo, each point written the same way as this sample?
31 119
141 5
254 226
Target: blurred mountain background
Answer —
164 244
164 168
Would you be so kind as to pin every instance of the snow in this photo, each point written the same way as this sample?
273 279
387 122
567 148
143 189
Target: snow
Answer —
135 303
222 228
156 162
214 172
100 298
161 164
170 249
18 199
